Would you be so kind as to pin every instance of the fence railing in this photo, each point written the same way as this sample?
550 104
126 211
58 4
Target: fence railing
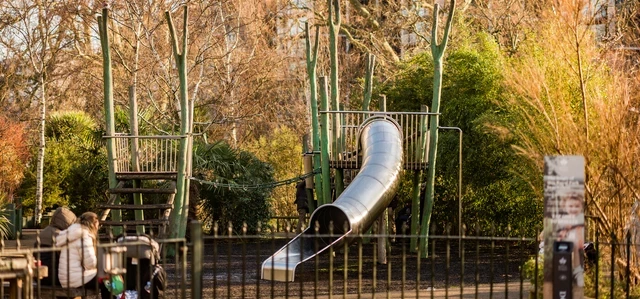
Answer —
285 223
229 265
345 129
157 154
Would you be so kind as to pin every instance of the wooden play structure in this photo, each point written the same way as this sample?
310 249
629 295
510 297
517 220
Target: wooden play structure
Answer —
159 167
141 166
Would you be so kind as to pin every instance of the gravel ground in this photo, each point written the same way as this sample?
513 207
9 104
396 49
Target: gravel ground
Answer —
232 270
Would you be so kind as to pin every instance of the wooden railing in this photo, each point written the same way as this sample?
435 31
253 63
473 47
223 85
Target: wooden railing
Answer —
346 126
157 154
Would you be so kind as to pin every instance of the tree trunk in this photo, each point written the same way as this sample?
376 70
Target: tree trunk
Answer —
41 147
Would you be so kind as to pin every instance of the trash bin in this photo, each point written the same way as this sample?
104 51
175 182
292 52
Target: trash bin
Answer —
19 220
14 224
46 219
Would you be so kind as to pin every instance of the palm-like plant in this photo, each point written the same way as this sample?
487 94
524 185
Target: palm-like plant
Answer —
74 126
4 221
75 169
237 186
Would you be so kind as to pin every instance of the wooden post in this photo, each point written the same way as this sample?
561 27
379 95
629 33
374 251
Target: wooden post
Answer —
368 81
116 215
334 22
197 256
417 180
381 230
181 206
437 50
312 61
326 172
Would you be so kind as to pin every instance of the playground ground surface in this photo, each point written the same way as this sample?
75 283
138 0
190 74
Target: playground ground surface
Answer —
231 270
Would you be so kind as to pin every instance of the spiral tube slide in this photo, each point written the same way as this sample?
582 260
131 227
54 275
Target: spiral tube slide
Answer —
355 210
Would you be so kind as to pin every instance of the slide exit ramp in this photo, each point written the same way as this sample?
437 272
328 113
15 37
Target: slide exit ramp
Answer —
355 210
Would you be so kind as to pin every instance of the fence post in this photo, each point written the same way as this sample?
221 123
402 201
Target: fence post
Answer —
628 268
597 245
196 259
613 264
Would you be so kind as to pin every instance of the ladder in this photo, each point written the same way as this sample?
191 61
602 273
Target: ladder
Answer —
125 192
145 166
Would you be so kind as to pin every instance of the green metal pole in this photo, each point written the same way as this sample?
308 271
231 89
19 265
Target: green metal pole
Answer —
326 173
197 256
189 167
417 179
437 51
185 124
368 81
181 203
334 23
116 215
312 61
338 147
308 167
415 210
334 27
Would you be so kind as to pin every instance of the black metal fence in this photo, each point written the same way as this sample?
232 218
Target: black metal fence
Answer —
228 265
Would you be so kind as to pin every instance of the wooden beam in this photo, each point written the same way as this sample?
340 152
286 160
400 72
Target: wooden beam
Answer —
142 190
135 207
134 222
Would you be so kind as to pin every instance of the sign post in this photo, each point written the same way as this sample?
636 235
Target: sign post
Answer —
563 233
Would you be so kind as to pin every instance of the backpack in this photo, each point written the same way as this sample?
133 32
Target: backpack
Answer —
152 279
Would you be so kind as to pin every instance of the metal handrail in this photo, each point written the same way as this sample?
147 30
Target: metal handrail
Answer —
344 151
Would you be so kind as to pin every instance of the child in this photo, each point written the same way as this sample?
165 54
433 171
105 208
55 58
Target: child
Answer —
78 259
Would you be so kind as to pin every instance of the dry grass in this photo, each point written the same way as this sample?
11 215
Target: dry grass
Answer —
576 97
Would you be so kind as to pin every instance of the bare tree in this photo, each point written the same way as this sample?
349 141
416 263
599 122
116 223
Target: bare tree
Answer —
238 82
511 22
36 38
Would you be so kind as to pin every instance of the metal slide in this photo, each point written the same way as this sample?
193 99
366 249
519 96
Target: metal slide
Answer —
355 210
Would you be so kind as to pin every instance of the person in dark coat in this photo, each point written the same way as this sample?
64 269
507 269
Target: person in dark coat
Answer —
61 220
301 204
391 224
402 220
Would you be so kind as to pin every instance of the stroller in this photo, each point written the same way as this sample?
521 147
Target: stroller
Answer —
144 272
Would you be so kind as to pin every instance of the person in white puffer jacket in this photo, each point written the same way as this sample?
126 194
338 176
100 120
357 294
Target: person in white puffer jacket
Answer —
78 260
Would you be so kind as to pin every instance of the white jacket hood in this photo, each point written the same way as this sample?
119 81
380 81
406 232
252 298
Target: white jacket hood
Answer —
74 232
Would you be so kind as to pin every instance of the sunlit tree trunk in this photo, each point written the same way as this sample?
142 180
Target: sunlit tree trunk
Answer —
39 66
41 150
229 46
